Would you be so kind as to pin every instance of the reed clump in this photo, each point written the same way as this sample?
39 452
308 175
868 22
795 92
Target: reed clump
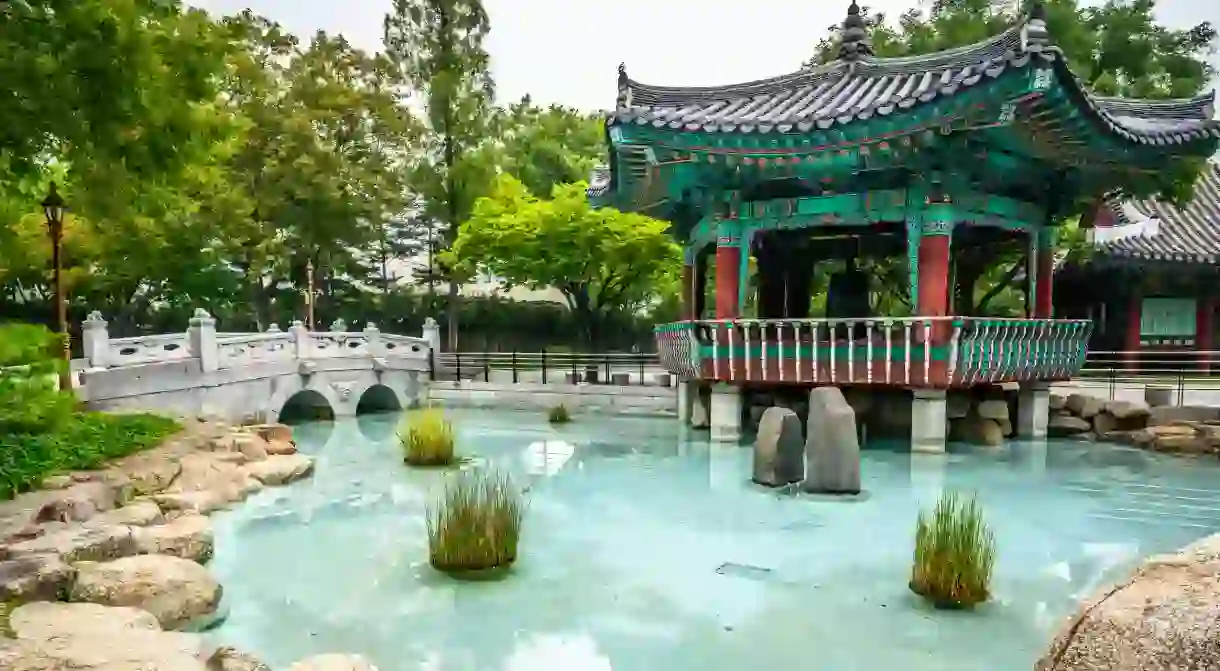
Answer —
954 554
426 438
559 415
475 524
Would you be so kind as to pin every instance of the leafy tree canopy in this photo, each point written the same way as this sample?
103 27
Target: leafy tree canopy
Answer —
601 259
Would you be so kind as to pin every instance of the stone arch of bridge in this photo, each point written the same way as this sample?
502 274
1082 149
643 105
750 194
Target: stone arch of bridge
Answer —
294 394
379 398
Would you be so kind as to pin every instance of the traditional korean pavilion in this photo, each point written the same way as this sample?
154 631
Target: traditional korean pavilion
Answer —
870 164
1152 283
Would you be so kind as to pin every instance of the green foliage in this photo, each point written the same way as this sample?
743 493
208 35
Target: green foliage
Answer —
437 46
29 385
549 147
610 261
954 554
426 438
559 415
475 524
84 441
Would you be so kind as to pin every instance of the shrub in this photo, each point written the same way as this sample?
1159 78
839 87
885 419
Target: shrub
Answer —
954 554
475 524
559 415
426 438
84 441
29 367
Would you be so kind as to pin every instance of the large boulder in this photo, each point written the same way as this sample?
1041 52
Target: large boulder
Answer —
1163 618
78 503
994 409
70 636
1065 426
207 482
333 663
779 448
1084 406
34 577
978 430
832 449
79 543
1057 402
189 537
1172 414
231 659
957 405
1128 410
136 514
280 469
1179 438
175 590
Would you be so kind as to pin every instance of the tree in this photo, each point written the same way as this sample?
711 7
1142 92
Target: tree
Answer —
114 91
547 147
602 260
437 45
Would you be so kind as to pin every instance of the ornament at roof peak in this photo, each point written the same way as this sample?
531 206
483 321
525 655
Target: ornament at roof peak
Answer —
1034 35
854 43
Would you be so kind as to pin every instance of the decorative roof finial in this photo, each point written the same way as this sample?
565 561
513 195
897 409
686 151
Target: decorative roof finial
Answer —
622 74
854 43
1035 36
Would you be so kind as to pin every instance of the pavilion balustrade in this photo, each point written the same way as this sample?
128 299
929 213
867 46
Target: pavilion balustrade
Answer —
911 351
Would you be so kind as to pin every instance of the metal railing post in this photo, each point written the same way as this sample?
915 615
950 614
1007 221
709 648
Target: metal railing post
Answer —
457 356
431 363
642 371
607 380
543 365
486 368
514 365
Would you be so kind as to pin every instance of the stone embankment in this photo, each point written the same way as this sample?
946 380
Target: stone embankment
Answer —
104 570
1166 617
1172 429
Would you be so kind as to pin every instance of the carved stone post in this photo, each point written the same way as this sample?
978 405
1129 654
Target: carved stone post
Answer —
300 339
372 339
201 338
95 340
432 333
338 326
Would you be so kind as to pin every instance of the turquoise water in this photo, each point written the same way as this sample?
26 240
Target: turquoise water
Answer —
647 548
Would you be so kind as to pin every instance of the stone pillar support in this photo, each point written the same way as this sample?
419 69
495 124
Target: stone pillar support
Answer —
725 413
95 340
687 391
201 339
1033 411
928 421
432 333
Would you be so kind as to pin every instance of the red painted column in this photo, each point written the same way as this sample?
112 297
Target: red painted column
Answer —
728 280
1044 283
1205 332
1131 339
933 297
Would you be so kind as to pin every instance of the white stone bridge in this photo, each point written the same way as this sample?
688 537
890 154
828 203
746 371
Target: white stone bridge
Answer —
253 375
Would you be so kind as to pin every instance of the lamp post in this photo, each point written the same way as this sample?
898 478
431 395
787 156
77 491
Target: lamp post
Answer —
309 293
53 208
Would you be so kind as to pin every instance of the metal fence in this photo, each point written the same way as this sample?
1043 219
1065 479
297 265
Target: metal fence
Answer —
550 367
1168 377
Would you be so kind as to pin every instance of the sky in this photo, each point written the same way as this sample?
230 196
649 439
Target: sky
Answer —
568 51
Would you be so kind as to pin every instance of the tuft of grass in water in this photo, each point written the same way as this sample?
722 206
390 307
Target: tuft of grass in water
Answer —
426 438
475 523
954 554
559 415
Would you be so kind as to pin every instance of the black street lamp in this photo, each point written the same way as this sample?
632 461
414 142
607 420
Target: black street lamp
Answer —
53 208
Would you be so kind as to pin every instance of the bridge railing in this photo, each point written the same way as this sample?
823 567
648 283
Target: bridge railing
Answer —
217 350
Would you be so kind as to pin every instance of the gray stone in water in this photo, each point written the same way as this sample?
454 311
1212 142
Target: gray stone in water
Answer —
832 450
778 449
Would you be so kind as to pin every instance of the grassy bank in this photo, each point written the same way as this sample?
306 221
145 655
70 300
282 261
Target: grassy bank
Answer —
83 441
42 432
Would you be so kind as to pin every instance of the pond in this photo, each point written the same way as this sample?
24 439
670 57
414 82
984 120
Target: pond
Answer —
645 547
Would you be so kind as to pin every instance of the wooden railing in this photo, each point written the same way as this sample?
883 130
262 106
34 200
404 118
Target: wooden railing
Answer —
913 351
